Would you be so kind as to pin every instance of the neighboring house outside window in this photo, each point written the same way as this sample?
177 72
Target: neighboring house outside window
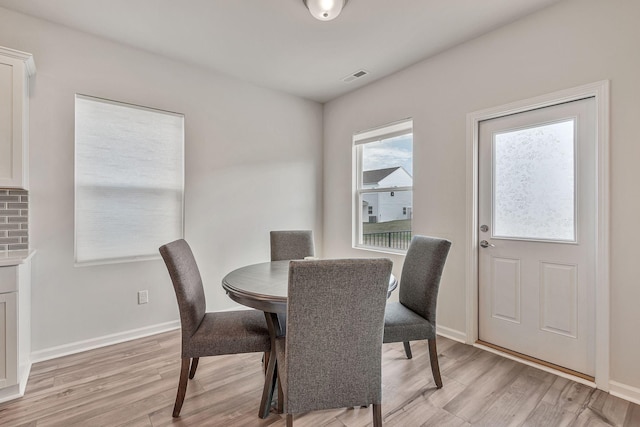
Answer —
129 180
384 187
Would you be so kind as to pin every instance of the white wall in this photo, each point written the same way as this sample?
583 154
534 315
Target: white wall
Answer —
253 163
573 43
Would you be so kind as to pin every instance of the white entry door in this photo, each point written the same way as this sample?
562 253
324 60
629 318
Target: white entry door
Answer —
537 223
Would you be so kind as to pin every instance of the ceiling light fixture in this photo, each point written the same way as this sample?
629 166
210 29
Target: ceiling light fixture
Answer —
325 10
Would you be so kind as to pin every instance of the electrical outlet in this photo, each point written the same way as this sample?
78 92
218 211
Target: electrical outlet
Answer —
143 297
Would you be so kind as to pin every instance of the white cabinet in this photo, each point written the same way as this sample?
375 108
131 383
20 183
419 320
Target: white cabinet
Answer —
8 339
15 70
15 328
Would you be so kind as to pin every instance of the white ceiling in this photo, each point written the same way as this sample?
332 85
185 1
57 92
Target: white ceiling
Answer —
277 43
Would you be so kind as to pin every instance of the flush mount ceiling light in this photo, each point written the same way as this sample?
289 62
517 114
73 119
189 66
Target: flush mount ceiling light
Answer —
325 10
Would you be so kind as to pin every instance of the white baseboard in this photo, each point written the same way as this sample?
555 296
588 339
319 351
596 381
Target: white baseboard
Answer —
24 377
93 343
10 393
451 334
16 391
626 392
80 346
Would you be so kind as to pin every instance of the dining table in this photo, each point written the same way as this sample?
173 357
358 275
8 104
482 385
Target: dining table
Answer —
264 286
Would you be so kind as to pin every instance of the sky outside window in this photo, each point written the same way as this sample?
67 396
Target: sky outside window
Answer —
392 152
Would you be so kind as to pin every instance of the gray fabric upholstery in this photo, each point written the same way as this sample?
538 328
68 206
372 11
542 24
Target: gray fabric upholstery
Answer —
331 355
187 284
414 317
291 244
402 324
209 334
229 332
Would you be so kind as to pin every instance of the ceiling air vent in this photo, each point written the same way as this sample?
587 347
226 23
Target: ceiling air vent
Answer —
356 75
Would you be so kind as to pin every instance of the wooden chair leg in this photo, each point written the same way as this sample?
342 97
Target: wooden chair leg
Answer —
182 386
407 349
435 368
267 391
265 360
377 415
290 420
194 366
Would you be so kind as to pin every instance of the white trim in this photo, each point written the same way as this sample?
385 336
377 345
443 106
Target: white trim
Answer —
600 91
452 334
106 261
25 57
381 250
24 377
391 130
11 393
626 392
16 391
93 343
384 189
602 343
471 269
360 139
536 365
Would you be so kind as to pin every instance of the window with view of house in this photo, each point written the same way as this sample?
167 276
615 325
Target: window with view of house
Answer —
383 203
129 180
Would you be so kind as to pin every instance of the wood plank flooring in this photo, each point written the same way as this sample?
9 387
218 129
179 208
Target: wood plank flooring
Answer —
134 384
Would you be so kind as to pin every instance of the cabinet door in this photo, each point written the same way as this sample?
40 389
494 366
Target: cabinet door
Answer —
14 127
8 340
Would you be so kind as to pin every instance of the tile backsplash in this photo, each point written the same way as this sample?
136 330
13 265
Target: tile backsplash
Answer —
14 219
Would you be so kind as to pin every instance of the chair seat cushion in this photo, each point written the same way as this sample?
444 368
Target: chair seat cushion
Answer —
402 325
229 332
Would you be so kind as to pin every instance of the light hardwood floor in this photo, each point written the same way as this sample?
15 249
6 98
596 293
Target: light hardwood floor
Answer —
134 384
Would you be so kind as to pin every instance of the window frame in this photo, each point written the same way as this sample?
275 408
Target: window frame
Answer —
359 140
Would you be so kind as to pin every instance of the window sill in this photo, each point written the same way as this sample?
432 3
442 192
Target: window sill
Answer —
376 249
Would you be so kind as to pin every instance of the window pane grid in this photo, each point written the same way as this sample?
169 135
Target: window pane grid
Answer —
384 187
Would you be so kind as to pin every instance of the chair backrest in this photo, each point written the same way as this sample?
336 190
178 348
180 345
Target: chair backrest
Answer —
187 283
291 244
421 272
334 333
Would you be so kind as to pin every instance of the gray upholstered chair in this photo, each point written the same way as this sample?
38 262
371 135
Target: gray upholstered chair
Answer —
207 334
414 316
331 356
291 244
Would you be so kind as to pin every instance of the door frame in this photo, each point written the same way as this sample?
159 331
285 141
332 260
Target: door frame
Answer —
599 91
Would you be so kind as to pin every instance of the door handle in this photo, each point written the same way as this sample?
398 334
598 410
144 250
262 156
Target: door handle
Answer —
485 244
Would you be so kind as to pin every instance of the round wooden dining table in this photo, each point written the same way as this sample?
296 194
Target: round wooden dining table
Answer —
264 287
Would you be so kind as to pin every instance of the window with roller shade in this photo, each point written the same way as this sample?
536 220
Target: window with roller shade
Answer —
129 180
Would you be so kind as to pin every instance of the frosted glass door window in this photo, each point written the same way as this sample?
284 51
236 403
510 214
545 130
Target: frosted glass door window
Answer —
534 183
129 180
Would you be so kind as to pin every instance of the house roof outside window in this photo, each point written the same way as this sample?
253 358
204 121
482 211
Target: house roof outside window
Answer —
376 176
